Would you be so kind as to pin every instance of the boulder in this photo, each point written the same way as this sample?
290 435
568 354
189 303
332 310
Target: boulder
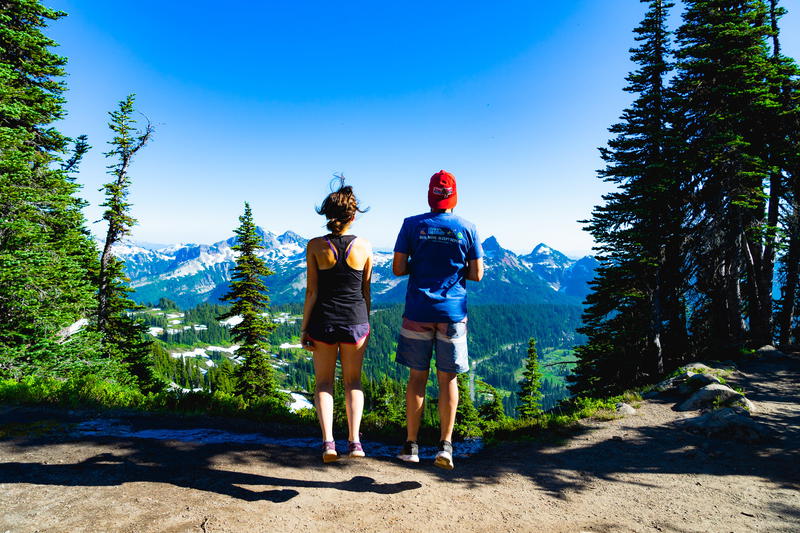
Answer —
708 395
671 383
769 351
697 368
728 422
695 382
744 403
625 409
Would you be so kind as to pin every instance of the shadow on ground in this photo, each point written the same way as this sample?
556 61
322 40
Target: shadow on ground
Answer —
182 465
664 449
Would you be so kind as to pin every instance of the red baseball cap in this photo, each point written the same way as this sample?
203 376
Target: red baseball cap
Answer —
442 193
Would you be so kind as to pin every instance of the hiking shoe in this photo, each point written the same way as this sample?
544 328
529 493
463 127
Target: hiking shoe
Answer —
444 457
409 453
329 454
355 450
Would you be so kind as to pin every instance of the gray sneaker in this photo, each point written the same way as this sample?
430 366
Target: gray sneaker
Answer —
409 453
444 457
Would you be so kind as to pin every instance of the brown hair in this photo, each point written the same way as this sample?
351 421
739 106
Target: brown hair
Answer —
340 206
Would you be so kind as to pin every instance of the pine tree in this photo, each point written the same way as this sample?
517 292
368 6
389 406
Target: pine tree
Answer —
249 300
785 179
124 337
728 112
45 248
125 144
491 411
530 394
468 421
634 319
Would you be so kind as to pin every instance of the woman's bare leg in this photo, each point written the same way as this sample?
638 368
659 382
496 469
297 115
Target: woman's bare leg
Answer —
324 374
352 359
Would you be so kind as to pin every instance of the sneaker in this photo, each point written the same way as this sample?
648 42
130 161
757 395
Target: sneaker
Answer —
355 449
329 454
409 453
444 457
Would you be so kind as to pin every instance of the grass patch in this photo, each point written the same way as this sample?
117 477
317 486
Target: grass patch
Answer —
98 393
561 420
102 394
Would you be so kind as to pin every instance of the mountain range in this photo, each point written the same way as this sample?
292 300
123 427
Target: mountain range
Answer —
191 274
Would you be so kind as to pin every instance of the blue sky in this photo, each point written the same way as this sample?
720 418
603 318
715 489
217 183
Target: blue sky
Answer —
264 101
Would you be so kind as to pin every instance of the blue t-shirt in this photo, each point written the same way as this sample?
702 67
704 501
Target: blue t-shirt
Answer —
439 246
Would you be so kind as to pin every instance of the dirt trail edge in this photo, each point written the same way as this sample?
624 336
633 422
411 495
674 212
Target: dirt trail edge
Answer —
638 473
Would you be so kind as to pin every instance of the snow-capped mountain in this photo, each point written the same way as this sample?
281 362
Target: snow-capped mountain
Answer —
193 273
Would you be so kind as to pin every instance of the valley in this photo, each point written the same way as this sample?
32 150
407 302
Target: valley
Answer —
538 294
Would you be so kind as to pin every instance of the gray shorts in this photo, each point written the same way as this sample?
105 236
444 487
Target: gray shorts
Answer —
417 339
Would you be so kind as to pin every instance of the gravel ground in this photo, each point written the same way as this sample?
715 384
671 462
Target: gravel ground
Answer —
638 473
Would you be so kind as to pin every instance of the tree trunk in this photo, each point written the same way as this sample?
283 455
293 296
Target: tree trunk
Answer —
113 236
788 301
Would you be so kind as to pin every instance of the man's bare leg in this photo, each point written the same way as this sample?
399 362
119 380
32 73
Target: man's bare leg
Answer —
415 400
448 403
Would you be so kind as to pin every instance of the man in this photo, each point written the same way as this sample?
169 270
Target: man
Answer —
439 251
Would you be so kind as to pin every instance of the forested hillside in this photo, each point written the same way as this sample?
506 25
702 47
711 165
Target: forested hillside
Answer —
188 340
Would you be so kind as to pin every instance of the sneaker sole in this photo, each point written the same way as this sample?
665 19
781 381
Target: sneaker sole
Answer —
330 458
357 454
409 458
443 462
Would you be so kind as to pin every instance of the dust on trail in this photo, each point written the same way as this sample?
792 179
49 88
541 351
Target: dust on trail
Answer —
638 473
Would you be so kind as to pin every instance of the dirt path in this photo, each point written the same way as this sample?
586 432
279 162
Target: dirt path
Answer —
633 474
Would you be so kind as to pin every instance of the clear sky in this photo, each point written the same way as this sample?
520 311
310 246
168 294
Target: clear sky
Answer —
264 101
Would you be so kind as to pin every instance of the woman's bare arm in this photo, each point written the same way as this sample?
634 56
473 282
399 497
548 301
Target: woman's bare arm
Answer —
367 279
311 295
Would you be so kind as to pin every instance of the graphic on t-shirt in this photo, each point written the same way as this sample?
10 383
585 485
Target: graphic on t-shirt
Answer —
440 235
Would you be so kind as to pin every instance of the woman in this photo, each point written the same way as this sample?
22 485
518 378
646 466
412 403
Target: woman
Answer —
336 315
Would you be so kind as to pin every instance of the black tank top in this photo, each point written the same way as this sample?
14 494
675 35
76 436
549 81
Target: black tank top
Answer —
339 297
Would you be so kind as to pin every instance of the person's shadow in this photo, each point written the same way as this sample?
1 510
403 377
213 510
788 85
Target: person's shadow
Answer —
183 466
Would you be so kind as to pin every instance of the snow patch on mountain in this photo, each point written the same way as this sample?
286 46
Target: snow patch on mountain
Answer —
192 273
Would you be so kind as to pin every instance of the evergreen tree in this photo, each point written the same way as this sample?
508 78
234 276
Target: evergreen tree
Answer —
785 179
728 113
249 300
124 336
635 319
45 248
492 410
530 394
467 419
385 400
127 141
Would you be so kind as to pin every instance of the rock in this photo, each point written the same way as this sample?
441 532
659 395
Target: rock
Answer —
744 403
697 368
672 382
708 395
728 422
695 382
769 351
72 329
625 409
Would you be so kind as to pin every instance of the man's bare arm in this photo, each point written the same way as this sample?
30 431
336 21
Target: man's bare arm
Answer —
475 270
400 264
